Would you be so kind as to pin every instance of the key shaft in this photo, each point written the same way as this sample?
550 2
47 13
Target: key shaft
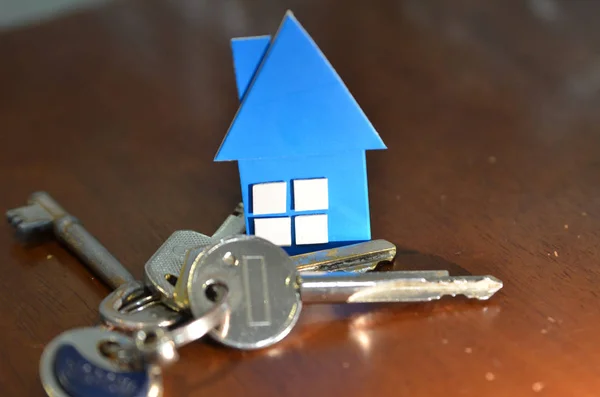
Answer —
92 253
392 287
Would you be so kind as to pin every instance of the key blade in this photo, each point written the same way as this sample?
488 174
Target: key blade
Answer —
424 289
393 287
356 258
235 223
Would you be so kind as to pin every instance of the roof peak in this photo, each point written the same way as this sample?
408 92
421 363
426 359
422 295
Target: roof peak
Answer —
293 102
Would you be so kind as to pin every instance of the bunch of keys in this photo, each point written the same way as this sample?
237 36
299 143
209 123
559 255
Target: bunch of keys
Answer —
244 291
89 361
99 361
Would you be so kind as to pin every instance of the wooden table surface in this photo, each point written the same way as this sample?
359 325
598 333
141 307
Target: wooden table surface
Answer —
490 114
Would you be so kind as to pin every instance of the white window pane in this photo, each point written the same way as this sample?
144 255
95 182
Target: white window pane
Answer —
311 194
269 198
276 230
311 229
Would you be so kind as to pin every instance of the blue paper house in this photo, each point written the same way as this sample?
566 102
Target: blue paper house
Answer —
299 138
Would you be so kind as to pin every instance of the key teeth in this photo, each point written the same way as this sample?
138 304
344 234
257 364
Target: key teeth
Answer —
239 209
35 195
493 285
14 218
26 231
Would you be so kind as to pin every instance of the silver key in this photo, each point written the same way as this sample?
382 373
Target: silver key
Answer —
356 258
44 214
88 361
163 268
392 287
267 291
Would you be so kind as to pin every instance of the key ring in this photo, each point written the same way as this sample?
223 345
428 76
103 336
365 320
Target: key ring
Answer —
125 296
159 346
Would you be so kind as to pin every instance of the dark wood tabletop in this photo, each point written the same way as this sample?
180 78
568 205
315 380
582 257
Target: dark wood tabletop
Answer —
490 111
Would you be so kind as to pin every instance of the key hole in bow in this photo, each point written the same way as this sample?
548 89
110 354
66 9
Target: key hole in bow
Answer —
116 353
215 290
109 349
171 279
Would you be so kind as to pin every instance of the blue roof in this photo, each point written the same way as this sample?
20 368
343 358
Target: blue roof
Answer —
248 53
293 101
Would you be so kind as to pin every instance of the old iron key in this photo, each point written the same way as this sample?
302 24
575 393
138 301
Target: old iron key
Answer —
267 291
44 214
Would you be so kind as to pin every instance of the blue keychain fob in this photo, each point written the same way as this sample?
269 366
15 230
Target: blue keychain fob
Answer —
74 365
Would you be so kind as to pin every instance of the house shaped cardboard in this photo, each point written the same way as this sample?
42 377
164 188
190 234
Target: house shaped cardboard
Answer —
299 138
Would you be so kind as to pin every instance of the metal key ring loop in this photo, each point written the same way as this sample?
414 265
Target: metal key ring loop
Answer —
159 346
111 310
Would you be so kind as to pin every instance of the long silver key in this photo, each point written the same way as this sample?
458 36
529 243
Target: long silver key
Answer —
44 214
392 287
88 361
267 291
163 268
356 258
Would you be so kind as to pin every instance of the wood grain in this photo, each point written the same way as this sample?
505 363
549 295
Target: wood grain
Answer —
490 113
